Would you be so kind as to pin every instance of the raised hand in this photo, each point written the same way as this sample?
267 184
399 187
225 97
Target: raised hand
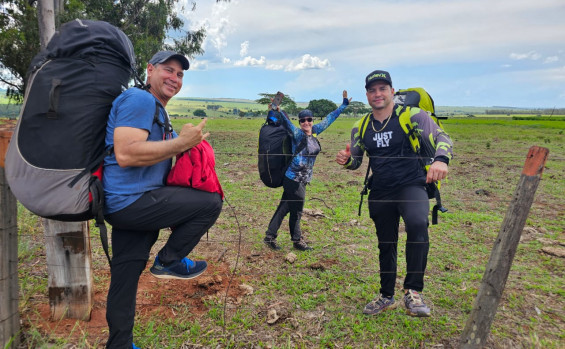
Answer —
192 135
345 100
343 155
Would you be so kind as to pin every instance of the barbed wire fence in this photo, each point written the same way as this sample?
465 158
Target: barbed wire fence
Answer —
236 235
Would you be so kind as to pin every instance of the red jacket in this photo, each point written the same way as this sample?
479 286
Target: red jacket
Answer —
196 168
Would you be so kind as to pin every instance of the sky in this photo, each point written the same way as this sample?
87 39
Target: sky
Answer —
463 52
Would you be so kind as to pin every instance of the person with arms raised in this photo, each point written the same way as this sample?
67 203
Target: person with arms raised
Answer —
306 148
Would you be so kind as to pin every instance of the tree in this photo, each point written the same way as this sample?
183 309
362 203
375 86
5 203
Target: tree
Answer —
199 112
147 24
321 107
357 107
287 103
46 21
19 42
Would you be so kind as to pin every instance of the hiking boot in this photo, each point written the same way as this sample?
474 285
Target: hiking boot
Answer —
415 305
183 269
301 245
380 304
272 243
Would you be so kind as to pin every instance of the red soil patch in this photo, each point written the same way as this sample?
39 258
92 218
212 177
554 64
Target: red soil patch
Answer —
7 124
154 296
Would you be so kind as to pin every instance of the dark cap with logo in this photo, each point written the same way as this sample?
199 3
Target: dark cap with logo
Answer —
378 75
163 56
306 113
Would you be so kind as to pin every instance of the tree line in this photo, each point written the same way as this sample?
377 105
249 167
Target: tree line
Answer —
544 111
319 107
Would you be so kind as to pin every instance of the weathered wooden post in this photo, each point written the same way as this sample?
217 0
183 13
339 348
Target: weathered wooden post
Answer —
67 247
496 273
9 315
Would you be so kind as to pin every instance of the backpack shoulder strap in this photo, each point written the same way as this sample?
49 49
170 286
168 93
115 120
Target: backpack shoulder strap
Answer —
405 114
364 124
303 143
366 181
167 127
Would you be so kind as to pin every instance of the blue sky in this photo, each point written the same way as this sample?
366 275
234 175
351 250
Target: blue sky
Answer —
464 52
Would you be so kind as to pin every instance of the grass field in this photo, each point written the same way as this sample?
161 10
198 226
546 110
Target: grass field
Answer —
316 302
230 108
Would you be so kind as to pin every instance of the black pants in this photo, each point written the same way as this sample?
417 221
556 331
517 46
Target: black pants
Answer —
411 203
188 212
292 201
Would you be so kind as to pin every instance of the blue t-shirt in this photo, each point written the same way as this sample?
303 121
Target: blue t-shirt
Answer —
122 186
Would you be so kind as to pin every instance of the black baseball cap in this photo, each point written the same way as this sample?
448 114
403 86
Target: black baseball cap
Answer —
163 56
378 75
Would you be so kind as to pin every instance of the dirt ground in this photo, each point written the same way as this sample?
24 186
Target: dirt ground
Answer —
154 296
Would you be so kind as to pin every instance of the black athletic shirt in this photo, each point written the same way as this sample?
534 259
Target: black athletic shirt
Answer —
393 163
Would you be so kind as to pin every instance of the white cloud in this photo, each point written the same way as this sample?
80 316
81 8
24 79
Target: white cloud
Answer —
244 48
249 61
199 65
308 62
532 55
217 34
551 59
226 60
215 19
272 66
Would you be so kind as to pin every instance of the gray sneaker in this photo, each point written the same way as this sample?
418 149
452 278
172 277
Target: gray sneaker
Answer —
380 304
272 243
301 245
415 305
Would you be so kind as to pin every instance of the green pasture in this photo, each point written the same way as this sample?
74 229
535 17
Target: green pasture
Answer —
319 297
185 107
180 107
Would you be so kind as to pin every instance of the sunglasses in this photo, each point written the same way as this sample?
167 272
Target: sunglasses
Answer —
304 120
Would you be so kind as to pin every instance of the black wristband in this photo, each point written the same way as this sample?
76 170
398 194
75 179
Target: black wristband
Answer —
442 158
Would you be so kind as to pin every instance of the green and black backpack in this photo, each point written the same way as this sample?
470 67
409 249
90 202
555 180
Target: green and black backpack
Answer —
409 102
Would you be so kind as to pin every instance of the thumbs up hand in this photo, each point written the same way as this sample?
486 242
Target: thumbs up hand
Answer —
191 135
343 155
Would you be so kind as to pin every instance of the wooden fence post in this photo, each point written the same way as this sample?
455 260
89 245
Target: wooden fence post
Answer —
9 314
478 325
67 248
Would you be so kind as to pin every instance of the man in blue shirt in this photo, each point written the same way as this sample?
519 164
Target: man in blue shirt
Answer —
138 203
